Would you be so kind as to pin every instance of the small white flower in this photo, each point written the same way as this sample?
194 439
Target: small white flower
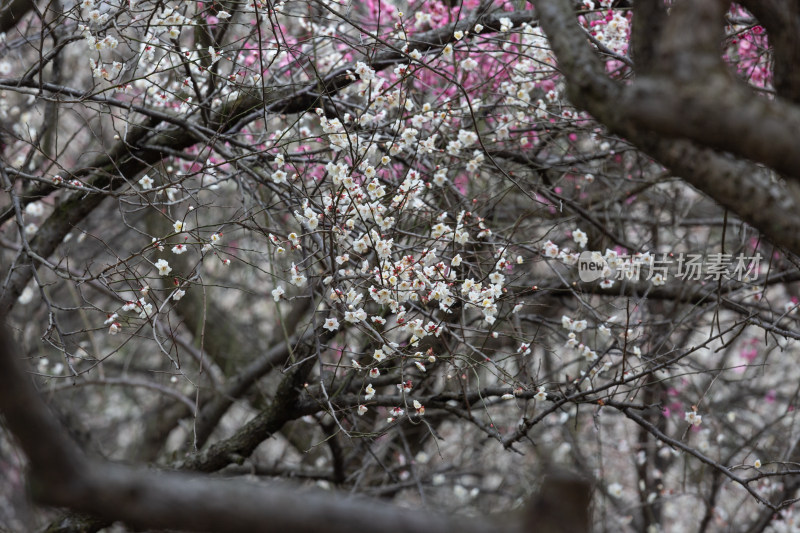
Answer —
178 294
178 226
379 355
116 326
364 71
215 54
507 396
580 238
589 354
693 418
163 267
469 64
331 324
541 395
370 392
178 249
277 293
362 409
34 209
615 490
147 309
146 182
606 283
757 463
222 15
297 278
279 176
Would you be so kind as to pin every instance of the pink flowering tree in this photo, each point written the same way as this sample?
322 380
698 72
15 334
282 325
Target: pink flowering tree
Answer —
420 252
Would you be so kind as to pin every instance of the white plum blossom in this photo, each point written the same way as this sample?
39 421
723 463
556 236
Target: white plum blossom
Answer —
277 293
615 490
541 394
279 176
364 71
355 316
467 138
163 267
693 418
580 238
146 182
297 278
419 407
573 325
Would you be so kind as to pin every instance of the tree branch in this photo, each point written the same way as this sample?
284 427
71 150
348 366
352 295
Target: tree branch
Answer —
61 475
746 189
